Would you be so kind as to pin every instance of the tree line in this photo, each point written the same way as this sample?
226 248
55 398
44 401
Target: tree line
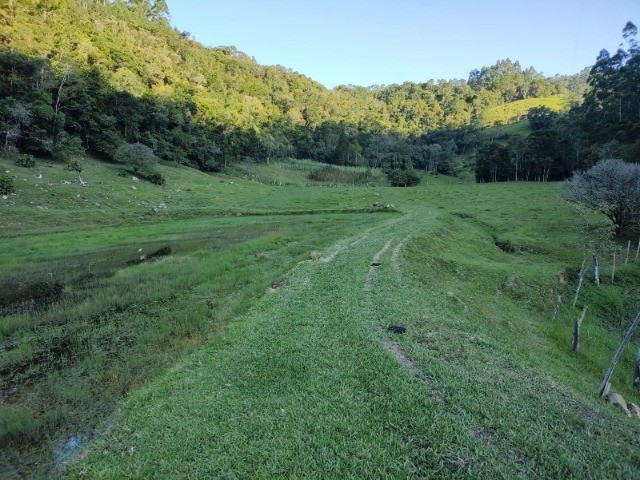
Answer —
605 125
92 75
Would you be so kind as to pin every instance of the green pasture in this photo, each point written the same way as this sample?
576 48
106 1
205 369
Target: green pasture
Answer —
513 111
226 326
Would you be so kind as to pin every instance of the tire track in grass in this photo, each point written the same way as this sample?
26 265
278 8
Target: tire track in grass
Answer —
375 262
341 245
384 300
395 259
401 357
479 446
298 387
393 347
335 250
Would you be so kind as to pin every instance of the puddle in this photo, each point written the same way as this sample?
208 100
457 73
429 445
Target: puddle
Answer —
163 252
64 450
38 286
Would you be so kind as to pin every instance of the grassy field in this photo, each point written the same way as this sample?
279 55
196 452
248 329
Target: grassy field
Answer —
258 346
505 114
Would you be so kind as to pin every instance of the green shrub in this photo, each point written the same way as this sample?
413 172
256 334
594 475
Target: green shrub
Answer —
155 177
74 166
138 155
6 184
25 160
403 178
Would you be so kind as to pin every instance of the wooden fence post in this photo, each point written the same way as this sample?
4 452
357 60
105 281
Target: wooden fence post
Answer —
618 354
636 372
613 272
596 272
576 330
626 260
557 309
581 279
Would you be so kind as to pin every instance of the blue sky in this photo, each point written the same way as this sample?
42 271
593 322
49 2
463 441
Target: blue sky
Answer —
367 42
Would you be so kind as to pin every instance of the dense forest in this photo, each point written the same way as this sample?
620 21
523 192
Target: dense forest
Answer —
92 75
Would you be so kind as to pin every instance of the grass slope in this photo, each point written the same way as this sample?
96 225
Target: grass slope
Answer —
295 172
505 114
49 198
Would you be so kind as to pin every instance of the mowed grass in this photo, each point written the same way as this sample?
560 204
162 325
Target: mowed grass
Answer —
483 384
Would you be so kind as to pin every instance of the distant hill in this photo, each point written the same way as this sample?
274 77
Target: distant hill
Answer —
93 75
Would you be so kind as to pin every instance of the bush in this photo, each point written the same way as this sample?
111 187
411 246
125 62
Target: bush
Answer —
138 155
25 160
142 159
74 166
403 178
6 184
155 177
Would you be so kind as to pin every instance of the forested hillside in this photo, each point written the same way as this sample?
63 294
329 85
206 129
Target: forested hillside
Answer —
93 75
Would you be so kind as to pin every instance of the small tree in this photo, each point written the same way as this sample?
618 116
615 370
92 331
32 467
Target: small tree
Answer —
138 155
142 159
6 184
403 178
611 187
541 118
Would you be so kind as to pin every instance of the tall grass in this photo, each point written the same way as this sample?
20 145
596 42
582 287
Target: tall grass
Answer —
340 176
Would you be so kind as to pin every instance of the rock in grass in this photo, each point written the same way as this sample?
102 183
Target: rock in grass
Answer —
634 409
618 400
